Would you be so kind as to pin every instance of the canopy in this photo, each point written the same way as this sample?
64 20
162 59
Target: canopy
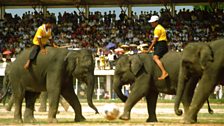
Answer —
95 2
7 52
110 45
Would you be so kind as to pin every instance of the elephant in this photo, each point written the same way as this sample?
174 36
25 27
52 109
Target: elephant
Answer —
6 87
54 73
142 73
205 61
43 95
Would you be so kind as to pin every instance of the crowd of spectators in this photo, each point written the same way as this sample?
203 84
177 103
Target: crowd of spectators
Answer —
96 31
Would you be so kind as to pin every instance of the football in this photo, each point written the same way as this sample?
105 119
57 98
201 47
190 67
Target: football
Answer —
111 111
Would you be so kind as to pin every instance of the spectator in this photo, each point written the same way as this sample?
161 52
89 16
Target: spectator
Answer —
111 59
8 58
186 26
106 95
102 62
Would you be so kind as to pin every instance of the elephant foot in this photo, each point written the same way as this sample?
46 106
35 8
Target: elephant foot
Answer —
152 120
8 108
80 118
52 120
188 120
30 120
42 109
125 116
18 120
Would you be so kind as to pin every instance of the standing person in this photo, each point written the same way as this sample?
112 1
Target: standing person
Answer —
111 59
159 43
43 34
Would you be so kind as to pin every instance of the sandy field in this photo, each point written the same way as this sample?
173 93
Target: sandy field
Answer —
165 115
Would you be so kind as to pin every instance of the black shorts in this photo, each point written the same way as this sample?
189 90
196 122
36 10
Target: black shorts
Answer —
160 48
35 51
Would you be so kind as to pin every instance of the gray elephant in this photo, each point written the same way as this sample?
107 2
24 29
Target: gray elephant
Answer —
205 61
142 72
7 89
53 73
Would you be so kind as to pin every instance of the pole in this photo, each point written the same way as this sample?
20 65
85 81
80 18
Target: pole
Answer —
98 88
76 86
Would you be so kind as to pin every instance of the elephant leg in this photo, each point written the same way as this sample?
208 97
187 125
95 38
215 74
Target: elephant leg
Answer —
53 97
30 98
151 106
43 102
10 103
4 100
64 104
53 86
70 96
138 91
18 100
205 87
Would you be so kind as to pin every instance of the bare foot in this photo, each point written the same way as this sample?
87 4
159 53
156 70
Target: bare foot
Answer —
26 66
163 76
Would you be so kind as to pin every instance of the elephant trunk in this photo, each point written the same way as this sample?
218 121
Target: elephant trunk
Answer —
90 89
117 88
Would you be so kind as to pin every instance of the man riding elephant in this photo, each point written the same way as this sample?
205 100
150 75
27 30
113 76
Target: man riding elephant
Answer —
159 43
53 73
43 34
142 73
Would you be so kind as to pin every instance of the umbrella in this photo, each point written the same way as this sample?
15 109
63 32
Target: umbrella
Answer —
124 46
119 51
133 45
110 45
7 52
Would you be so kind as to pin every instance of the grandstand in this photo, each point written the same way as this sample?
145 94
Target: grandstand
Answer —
96 2
92 3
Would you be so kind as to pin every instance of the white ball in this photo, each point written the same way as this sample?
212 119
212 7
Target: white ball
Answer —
111 111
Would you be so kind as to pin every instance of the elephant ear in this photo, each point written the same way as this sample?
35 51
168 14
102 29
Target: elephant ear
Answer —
206 56
71 60
136 64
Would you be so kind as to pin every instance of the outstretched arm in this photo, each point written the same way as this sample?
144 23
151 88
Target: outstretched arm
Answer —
53 43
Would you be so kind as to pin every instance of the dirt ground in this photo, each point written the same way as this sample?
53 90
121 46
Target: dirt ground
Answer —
165 115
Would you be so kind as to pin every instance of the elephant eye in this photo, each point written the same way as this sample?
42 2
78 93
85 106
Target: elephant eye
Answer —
187 62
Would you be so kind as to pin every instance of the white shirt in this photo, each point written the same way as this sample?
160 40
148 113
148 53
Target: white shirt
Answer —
110 57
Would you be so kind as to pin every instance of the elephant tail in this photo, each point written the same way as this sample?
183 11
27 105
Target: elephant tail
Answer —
178 111
210 111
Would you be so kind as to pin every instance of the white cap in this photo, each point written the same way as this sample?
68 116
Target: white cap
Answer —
153 18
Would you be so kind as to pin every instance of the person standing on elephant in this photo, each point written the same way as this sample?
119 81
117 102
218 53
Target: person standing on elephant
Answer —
43 34
159 43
